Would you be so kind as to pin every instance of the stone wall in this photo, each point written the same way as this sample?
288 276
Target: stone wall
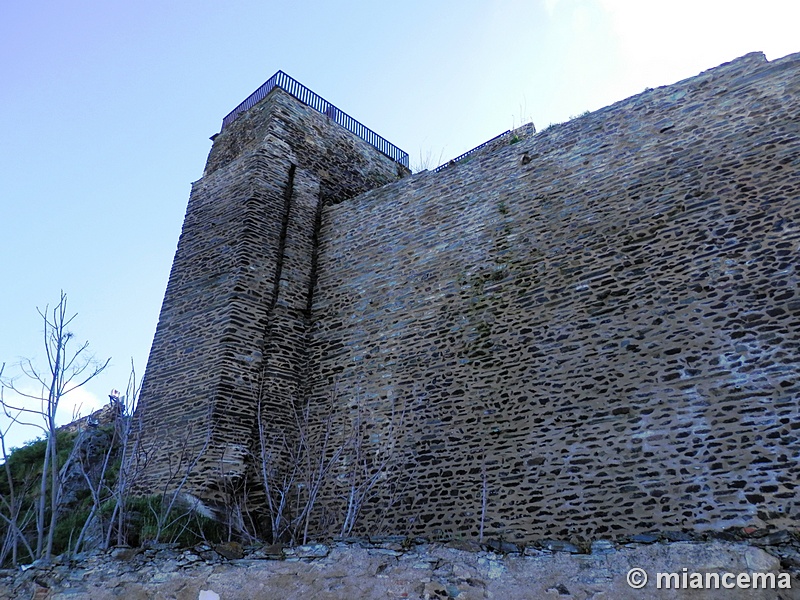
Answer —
592 331
417 572
587 332
232 328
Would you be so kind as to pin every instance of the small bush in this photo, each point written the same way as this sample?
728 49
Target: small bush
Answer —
185 526
69 526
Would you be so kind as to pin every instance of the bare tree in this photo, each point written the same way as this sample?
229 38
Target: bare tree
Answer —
427 161
278 482
11 504
366 468
68 368
174 505
317 459
294 469
127 429
484 497
95 472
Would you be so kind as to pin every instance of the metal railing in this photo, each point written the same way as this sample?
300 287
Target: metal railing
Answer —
471 152
306 96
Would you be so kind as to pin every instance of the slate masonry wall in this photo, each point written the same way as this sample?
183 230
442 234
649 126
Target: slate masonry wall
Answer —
233 324
589 331
596 328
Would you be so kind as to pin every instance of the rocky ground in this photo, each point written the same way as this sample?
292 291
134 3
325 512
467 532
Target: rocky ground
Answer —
413 569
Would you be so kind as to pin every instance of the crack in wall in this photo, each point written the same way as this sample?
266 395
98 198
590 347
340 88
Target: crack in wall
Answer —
287 207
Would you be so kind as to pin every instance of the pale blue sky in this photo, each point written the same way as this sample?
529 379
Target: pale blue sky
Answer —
106 109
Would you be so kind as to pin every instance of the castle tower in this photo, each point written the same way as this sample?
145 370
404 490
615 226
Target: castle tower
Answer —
234 320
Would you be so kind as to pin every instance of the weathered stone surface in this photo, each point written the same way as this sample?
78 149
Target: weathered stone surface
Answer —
124 553
311 551
230 550
600 340
429 571
588 333
232 328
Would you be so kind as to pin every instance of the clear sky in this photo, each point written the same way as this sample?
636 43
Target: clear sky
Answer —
106 108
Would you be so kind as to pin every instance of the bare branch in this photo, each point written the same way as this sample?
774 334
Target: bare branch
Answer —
66 372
